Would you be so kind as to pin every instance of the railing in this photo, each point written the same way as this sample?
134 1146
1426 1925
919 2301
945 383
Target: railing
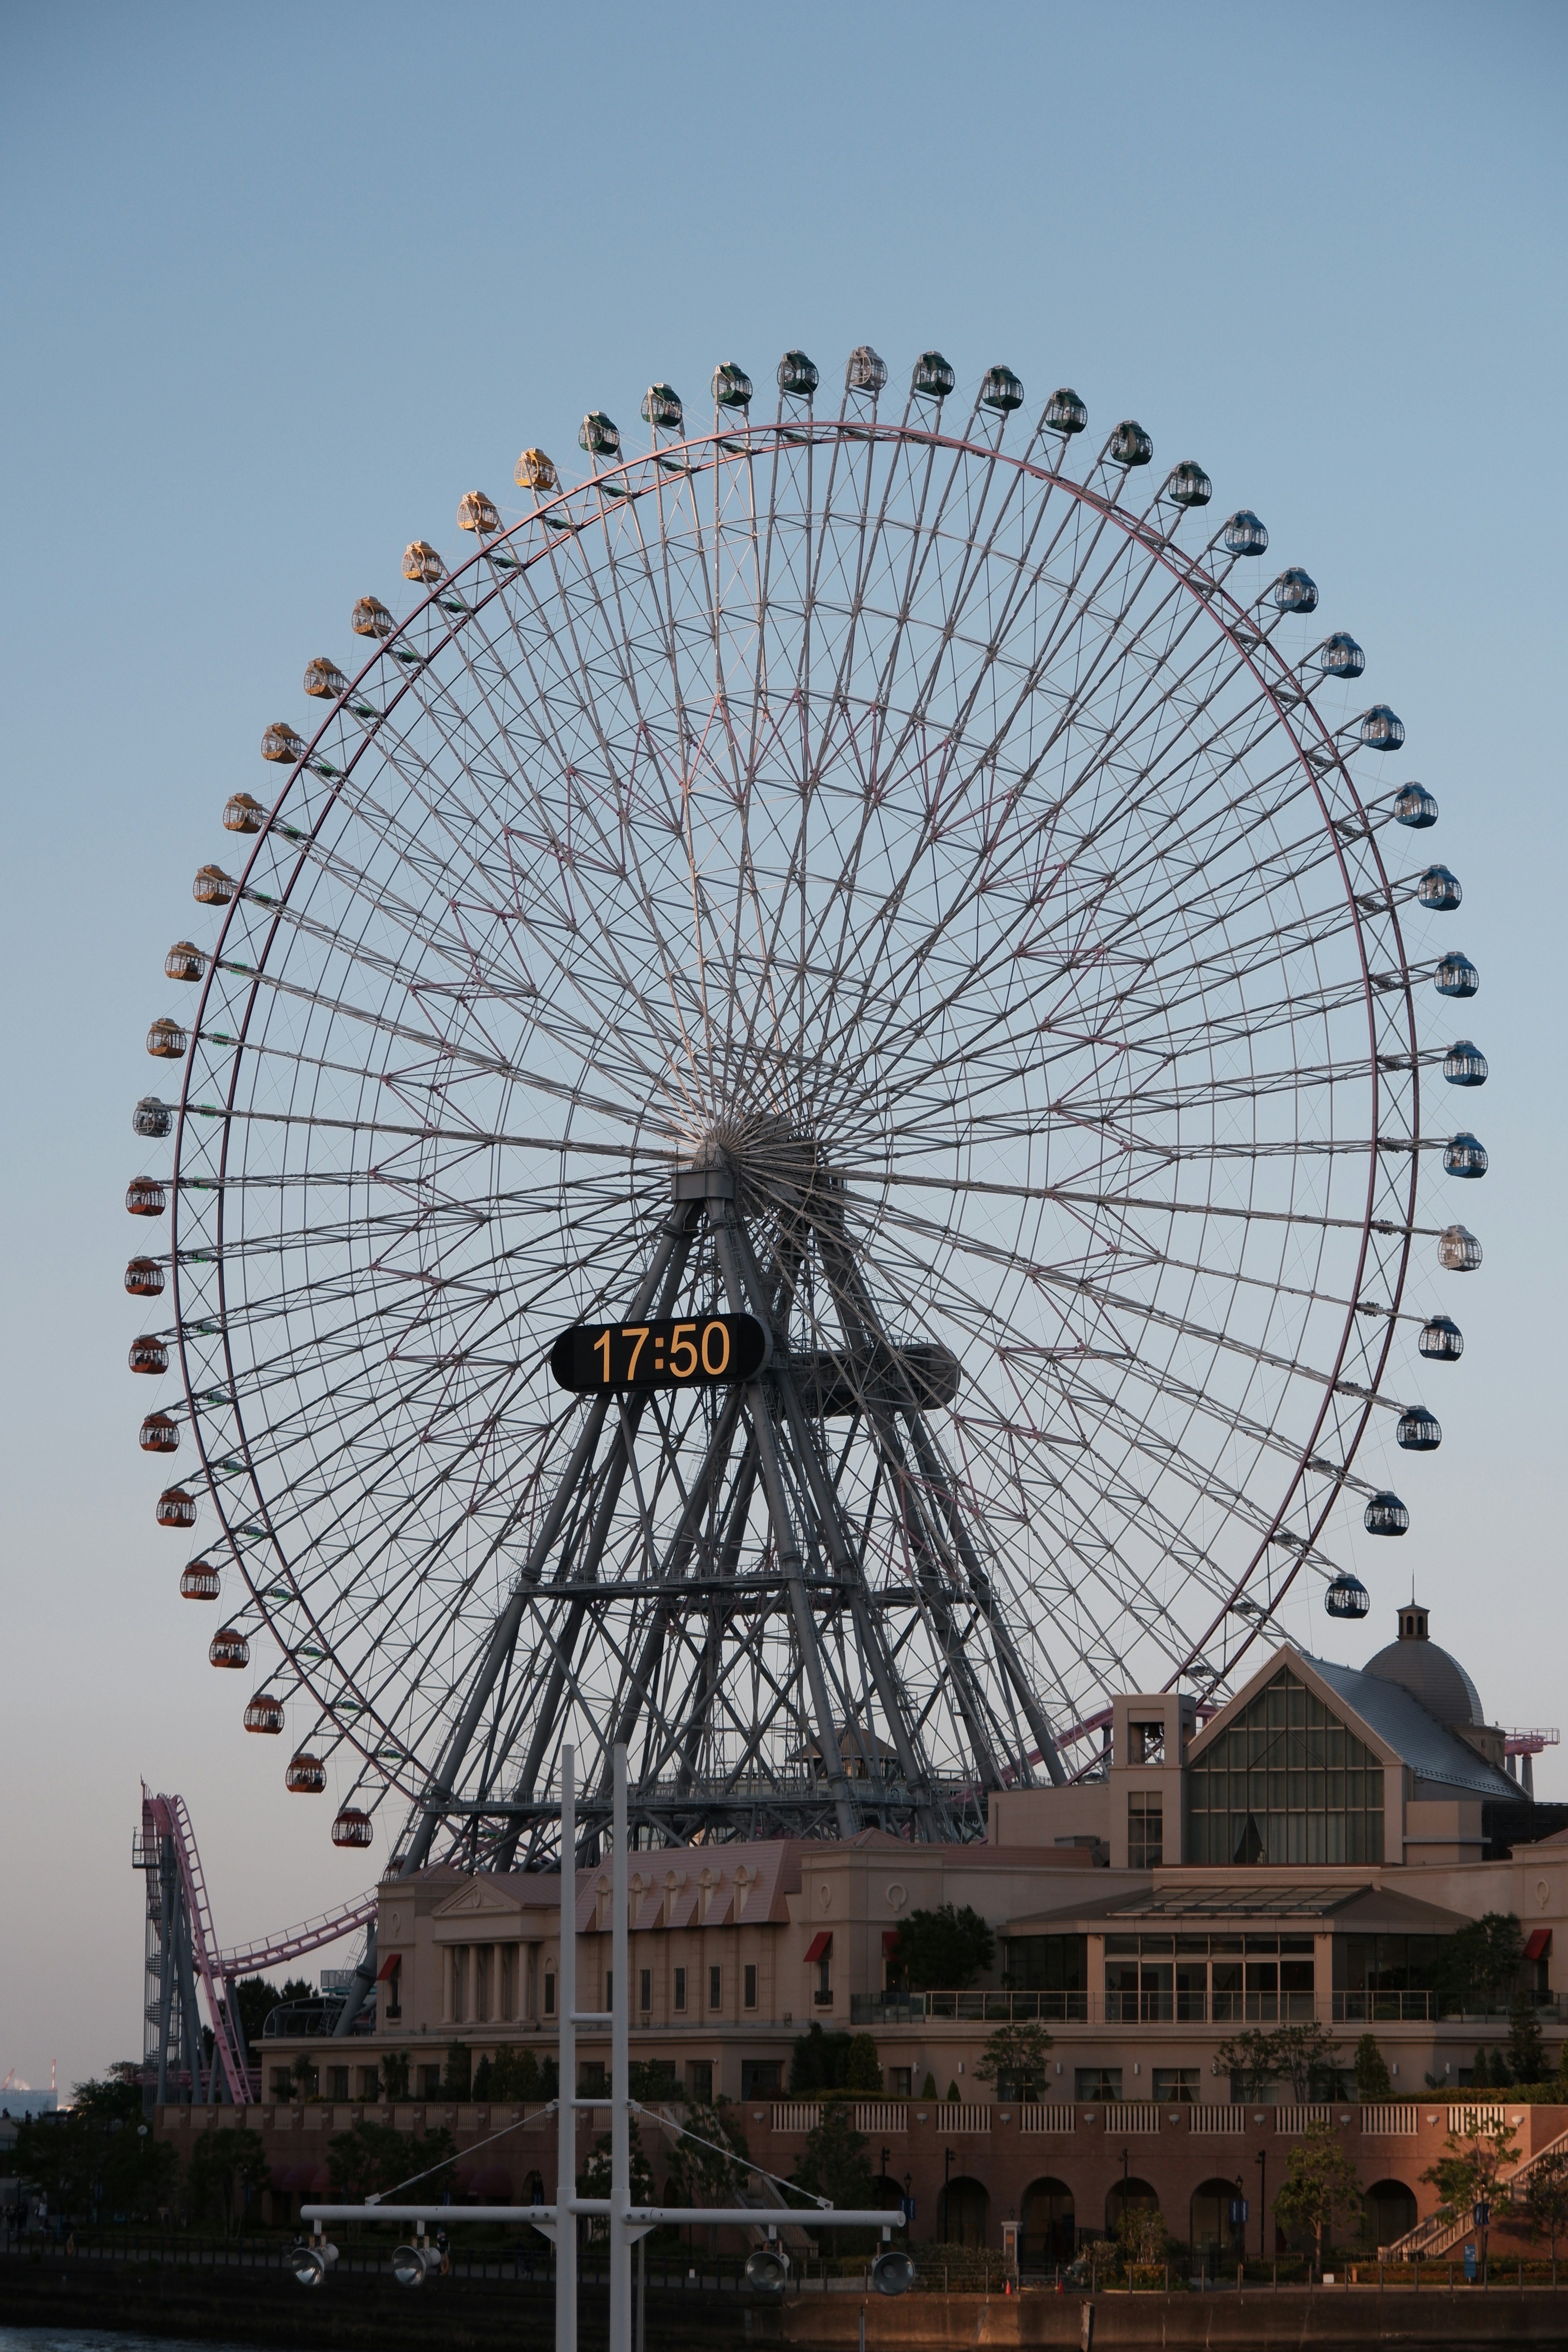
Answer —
1053 2116
1133 2115
1264 2008
1295 2120
1384 2008
970 2008
870 2115
1210 2115
988 2008
1389 2122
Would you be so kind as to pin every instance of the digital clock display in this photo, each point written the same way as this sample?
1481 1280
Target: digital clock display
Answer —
705 1351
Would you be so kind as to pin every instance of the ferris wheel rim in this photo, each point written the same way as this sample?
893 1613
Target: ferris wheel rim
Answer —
1229 617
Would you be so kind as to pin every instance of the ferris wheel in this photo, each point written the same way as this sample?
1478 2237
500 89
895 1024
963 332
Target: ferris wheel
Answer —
800 1140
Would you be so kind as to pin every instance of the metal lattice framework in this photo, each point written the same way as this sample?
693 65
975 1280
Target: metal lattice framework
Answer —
872 871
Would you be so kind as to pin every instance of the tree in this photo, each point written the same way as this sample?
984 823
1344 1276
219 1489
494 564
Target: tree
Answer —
226 2168
484 2080
862 2070
928 2088
1373 2080
817 2062
1014 2058
594 2181
711 2159
1478 1962
947 1948
373 2158
1319 2183
1546 2196
1250 2062
98 2155
1526 2049
1467 2171
394 2074
254 2001
1305 2056
458 2081
836 2164
1142 2236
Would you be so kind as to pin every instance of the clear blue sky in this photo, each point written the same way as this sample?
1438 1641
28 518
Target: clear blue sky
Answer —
280 284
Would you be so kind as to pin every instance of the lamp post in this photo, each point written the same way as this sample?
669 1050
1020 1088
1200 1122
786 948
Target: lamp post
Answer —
946 2177
1263 2202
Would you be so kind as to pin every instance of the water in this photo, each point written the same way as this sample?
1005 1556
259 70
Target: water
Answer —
98 2339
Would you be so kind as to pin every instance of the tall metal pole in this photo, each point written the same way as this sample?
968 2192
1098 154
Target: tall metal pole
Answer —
566 2089
620 2075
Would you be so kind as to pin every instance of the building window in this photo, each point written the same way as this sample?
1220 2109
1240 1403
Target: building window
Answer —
1057 1964
699 2080
1097 2083
429 2081
760 2078
680 1988
395 1990
715 1987
370 2082
822 1996
644 1988
1145 1832
898 2082
508 1981
1285 1783
283 2082
749 1979
1148 1743
609 1989
549 1994
1181 2085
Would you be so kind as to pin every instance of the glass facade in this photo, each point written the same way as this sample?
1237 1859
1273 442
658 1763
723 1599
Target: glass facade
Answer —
1287 1782
1045 1963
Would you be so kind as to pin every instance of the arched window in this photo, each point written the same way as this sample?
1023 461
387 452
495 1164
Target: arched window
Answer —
1217 2241
1388 2209
963 2209
1050 2232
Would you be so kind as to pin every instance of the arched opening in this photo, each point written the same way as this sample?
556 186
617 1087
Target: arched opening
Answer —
962 2211
1388 2209
887 2192
1217 2241
1049 2233
1123 2194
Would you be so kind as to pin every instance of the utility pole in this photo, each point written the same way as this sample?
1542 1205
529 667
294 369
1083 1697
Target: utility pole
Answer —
620 2073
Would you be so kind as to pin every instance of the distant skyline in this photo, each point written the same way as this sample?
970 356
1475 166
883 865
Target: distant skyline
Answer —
281 285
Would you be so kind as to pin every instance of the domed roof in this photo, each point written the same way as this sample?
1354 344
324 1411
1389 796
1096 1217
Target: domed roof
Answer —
1426 1672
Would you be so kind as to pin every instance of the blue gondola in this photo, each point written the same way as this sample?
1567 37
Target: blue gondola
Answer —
1463 1156
1380 729
1465 1065
1244 534
1295 590
1441 1341
1456 976
1342 657
1439 890
1347 1596
1386 1515
1419 1431
1416 807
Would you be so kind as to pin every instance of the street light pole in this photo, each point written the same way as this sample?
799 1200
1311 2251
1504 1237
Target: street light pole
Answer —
567 2087
1263 2202
946 2177
619 2006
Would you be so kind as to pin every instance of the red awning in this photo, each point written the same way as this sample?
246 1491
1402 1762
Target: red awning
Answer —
890 1941
389 1967
820 1944
1540 1943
